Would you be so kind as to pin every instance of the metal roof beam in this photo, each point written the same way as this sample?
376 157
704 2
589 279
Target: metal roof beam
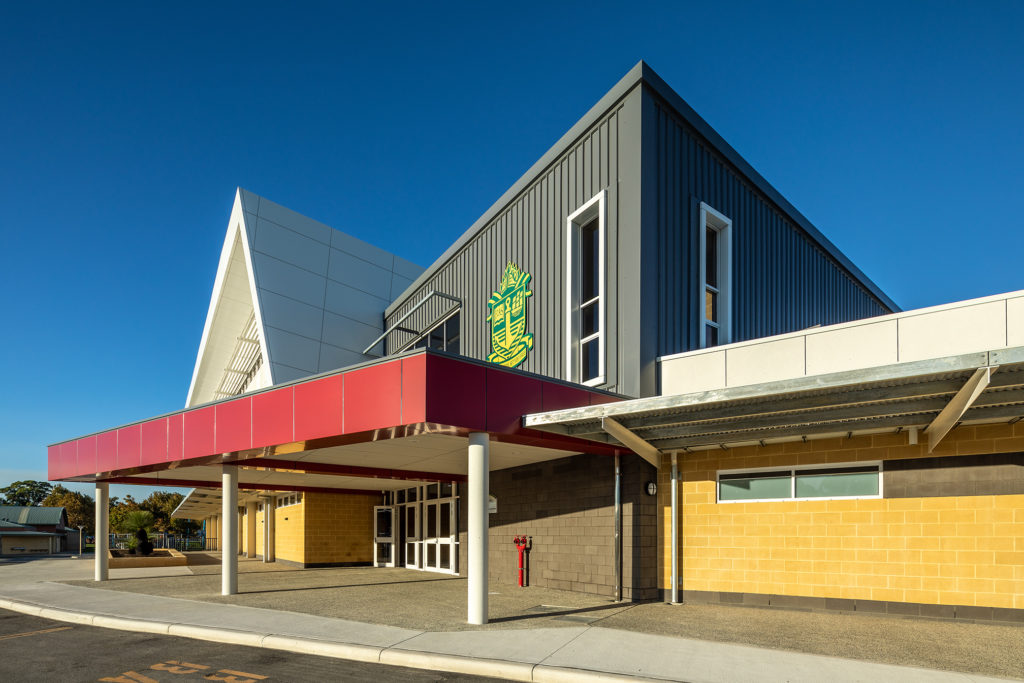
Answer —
958 405
773 405
994 413
922 410
632 441
899 371
308 467
927 407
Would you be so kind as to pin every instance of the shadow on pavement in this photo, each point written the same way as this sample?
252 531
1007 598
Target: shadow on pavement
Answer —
349 585
544 613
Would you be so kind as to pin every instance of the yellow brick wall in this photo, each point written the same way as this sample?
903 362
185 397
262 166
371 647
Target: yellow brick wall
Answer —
944 550
339 527
290 539
290 530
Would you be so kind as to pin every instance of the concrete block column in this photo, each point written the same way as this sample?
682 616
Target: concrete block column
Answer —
478 488
250 529
102 531
229 537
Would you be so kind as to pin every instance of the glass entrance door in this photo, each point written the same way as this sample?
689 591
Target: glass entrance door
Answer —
438 537
383 536
412 536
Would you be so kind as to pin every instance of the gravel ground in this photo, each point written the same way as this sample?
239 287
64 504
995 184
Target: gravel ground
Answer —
435 602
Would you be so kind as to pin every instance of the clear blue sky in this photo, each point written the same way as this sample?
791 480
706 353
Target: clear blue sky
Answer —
125 128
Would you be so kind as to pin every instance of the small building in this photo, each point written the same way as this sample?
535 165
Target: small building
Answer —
34 530
642 356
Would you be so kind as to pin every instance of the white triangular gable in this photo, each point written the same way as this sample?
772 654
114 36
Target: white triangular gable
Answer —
315 297
234 311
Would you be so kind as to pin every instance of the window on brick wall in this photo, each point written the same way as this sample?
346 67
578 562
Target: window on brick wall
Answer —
812 482
289 499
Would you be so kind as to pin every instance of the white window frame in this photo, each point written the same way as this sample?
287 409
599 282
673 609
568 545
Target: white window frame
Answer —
793 472
722 224
286 500
593 208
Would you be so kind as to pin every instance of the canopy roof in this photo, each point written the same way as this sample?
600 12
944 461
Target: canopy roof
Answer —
376 426
934 394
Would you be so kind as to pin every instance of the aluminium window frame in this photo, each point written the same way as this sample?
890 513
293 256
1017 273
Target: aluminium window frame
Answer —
722 224
595 207
794 470
447 316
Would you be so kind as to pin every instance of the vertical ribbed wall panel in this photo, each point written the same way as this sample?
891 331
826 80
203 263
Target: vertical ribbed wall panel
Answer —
782 280
531 231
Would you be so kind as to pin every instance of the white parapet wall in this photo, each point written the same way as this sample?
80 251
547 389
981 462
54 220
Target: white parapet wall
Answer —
985 324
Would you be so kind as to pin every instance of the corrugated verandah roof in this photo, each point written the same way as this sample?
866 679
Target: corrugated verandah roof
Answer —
894 396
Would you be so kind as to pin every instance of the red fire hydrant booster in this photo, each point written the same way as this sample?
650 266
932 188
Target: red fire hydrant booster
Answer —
521 543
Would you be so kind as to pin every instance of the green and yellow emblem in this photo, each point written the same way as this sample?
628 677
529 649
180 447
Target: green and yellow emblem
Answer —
509 342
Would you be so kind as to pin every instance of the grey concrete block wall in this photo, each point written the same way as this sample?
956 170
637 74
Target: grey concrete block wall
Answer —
567 506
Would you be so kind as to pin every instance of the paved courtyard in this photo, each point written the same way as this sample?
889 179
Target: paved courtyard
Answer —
422 600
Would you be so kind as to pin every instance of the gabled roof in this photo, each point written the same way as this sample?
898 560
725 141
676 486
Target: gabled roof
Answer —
32 515
292 297
640 75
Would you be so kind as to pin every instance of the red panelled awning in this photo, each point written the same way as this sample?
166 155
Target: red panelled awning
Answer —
420 393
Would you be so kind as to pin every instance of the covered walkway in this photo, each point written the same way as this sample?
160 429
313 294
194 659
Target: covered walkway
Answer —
409 419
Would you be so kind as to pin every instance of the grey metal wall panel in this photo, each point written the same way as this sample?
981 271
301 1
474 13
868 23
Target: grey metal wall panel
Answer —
531 231
782 280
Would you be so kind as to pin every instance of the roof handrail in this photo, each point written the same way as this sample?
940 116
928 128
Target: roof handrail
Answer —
397 323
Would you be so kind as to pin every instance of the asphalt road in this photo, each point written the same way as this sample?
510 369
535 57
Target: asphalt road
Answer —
36 649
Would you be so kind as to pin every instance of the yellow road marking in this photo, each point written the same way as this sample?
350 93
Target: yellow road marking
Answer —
129 677
35 633
231 676
175 667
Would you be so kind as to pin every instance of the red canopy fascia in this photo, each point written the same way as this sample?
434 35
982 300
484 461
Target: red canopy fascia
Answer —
397 396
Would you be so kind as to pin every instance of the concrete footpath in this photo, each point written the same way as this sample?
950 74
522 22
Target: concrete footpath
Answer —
571 653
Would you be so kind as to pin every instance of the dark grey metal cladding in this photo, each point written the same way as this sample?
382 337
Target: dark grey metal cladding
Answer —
530 230
782 279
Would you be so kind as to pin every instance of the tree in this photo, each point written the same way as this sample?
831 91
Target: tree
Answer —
26 492
118 512
162 504
80 507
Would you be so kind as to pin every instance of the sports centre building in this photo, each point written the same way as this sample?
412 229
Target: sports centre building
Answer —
641 356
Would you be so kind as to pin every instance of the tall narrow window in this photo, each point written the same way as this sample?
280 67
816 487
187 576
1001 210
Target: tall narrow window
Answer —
715 277
585 304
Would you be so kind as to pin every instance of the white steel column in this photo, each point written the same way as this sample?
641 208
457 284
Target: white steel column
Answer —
250 529
229 525
102 530
675 529
269 528
478 486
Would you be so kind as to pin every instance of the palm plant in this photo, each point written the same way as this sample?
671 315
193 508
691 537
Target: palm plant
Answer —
138 521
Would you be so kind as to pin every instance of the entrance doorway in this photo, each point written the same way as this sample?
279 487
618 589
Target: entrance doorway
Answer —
383 536
427 527
438 536
411 534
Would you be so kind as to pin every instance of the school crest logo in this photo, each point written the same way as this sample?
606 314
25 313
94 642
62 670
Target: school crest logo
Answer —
509 342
